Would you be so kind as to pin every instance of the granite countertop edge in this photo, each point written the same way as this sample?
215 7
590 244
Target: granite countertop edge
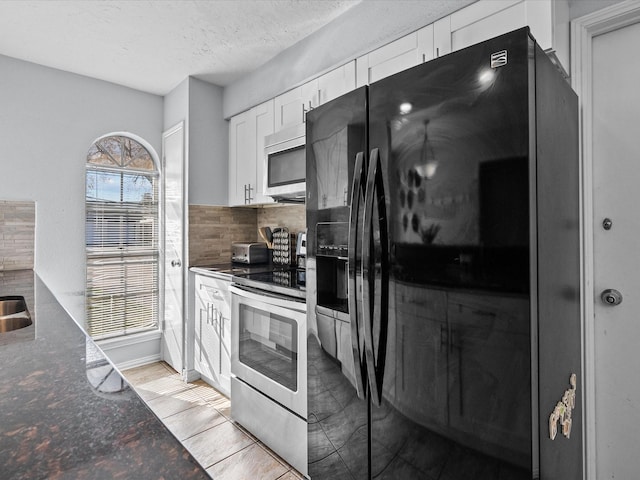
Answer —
66 411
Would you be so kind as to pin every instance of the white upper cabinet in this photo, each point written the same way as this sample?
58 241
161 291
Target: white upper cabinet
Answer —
547 19
242 169
387 60
264 121
425 44
442 37
247 130
434 40
482 20
246 154
429 42
291 107
336 82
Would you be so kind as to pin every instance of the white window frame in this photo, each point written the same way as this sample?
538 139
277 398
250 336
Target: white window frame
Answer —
153 332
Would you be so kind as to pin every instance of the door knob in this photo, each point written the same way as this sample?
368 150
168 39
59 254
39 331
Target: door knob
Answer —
176 263
611 297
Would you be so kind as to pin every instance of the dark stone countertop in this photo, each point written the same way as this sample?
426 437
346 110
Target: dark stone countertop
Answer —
66 413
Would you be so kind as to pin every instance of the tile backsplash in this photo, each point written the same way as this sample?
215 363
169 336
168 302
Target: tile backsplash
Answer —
213 229
17 235
291 216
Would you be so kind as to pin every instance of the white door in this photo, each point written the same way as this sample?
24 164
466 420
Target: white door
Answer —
616 263
173 312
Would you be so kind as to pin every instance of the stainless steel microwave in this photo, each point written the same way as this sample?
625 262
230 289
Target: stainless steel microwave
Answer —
285 164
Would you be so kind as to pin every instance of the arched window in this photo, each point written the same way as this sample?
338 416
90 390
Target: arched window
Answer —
122 238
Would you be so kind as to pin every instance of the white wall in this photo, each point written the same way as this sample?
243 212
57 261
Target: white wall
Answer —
578 8
176 105
48 121
199 105
208 145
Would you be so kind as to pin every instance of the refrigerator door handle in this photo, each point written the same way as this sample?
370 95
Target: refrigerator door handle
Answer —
375 307
355 309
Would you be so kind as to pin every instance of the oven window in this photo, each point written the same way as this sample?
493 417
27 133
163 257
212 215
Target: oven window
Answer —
268 343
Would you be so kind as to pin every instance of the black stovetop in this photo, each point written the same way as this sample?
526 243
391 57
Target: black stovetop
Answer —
289 281
283 276
283 279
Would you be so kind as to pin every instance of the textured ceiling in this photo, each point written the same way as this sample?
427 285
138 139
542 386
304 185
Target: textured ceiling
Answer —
152 45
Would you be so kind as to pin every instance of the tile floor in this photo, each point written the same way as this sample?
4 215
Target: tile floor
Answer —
200 417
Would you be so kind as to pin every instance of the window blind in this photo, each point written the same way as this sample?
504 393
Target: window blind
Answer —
121 251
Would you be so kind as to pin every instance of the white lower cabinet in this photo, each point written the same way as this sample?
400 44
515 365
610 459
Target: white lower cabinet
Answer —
212 353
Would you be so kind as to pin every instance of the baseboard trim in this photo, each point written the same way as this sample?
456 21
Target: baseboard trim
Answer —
132 351
138 362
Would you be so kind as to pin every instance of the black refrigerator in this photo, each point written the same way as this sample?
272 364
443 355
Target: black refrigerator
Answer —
443 297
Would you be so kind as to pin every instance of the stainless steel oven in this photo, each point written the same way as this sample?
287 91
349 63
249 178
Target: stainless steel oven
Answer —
269 369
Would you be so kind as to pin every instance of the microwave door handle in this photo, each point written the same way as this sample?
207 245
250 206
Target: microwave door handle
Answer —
355 309
375 307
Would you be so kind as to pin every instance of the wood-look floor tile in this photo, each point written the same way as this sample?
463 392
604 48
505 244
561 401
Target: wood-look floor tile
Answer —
291 475
224 407
252 462
217 443
247 432
200 417
145 373
167 405
208 393
160 386
195 420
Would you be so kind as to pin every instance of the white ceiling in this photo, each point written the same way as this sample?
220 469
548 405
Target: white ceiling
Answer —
153 45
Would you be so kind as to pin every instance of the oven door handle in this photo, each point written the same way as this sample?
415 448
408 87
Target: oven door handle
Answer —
268 298
354 296
375 306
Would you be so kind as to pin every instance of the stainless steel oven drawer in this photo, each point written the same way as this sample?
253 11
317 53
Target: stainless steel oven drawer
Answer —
278 428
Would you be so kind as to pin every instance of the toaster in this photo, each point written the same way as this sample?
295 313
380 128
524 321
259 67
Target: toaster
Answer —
249 252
